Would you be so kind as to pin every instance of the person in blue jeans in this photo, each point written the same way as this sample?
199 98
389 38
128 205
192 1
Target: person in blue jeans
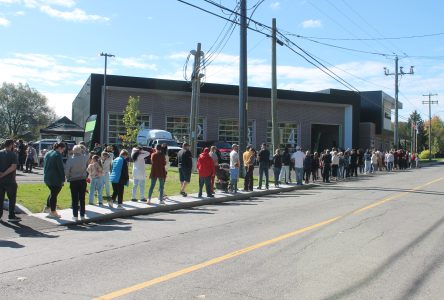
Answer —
264 165
298 159
158 172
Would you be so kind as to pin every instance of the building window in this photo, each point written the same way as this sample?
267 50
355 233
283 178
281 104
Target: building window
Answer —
288 133
229 131
179 127
117 128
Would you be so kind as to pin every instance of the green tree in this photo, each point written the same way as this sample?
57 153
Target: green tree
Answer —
23 111
131 121
415 118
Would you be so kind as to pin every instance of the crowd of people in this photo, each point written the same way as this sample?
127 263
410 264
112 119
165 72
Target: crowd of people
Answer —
106 167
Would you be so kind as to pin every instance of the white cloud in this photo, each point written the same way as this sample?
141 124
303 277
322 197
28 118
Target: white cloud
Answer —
19 13
4 22
76 15
312 23
61 103
275 5
132 62
9 1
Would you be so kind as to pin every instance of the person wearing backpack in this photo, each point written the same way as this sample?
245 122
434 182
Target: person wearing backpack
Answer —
139 175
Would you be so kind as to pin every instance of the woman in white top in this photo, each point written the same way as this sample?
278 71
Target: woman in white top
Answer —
138 156
107 161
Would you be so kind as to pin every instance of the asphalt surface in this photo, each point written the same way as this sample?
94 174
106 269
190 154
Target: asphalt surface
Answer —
378 237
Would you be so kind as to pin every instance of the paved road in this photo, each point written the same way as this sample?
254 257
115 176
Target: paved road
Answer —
375 238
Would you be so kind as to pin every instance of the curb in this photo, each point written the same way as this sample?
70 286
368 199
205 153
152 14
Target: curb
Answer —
178 206
19 209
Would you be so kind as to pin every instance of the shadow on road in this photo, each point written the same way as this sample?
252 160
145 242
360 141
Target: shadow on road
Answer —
144 218
113 225
26 231
10 244
391 260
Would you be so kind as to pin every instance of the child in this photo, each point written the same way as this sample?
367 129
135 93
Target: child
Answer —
95 171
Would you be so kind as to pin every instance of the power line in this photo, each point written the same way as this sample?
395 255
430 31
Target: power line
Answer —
370 39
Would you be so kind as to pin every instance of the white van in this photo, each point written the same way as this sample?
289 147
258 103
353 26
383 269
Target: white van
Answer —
146 136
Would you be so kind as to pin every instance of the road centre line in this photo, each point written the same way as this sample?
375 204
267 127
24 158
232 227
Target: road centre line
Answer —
163 278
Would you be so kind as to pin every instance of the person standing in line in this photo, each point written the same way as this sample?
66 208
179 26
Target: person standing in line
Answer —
308 164
31 158
138 156
97 149
107 162
75 170
8 184
374 161
326 161
390 161
360 161
215 158
298 159
334 165
205 167
249 159
119 178
185 166
315 167
234 168
353 163
158 172
277 167
95 171
54 176
367 161
21 149
167 166
264 165
341 166
286 163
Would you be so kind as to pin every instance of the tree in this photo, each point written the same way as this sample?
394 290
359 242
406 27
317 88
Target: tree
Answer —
415 118
23 111
131 121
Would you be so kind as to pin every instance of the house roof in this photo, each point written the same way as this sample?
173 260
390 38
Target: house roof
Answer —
63 126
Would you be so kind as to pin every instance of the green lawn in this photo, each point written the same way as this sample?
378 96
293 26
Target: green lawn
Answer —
33 196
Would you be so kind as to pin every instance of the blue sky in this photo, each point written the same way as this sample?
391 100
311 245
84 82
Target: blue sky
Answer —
53 45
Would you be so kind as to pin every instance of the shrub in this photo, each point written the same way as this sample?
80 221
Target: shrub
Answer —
425 154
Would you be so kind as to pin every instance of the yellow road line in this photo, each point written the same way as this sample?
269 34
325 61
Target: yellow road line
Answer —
143 285
396 196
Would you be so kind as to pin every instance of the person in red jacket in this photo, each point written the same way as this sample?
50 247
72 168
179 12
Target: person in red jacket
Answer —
205 167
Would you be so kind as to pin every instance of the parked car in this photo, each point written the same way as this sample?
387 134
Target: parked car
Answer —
223 149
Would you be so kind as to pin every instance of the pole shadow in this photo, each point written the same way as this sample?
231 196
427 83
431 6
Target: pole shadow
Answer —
386 264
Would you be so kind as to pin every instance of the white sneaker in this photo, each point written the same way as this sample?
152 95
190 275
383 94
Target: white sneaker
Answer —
83 218
110 204
162 202
75 219
119 206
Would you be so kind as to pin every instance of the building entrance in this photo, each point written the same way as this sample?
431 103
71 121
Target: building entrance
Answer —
324 137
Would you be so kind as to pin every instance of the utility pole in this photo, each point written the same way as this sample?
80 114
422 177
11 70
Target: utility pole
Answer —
397 73
243 85
274 127
103 102
195 99
430 102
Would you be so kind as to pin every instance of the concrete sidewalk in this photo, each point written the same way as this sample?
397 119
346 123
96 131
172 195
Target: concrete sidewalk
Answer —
95 213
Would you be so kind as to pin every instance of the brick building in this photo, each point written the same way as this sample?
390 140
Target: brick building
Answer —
316 120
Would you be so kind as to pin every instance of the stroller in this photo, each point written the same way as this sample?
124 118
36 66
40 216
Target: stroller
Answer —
223 177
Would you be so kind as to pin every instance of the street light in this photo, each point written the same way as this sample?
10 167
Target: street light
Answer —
103 100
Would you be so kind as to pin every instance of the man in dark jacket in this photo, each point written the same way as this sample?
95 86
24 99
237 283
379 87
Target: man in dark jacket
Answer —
286 163
185 165
326 162
264 165
308 165
8 185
